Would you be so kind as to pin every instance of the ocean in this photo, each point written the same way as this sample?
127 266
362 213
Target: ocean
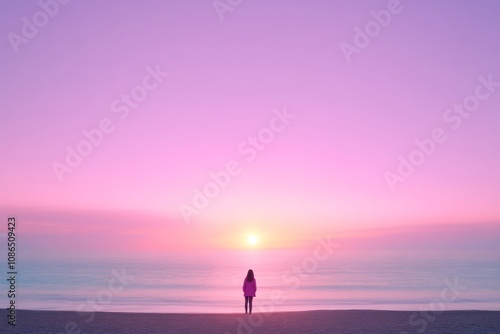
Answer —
210 282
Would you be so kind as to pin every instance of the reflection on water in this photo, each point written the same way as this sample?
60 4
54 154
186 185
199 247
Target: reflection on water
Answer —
288 280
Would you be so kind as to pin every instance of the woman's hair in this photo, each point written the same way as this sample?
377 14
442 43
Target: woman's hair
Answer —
250 276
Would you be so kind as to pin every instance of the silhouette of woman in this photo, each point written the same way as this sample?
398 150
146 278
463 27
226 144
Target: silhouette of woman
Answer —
249 289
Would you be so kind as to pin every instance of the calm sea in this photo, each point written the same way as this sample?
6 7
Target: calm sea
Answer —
287 280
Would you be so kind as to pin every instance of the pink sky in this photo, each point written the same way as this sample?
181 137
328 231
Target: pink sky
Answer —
324 172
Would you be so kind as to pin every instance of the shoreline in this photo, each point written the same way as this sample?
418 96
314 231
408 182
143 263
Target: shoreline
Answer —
317 321
254 311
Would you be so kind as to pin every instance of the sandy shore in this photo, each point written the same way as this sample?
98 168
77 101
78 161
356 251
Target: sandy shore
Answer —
350 321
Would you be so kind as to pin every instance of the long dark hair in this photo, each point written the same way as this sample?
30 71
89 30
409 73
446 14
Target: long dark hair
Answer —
250 276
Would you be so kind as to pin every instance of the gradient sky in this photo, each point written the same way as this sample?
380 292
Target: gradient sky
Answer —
323 174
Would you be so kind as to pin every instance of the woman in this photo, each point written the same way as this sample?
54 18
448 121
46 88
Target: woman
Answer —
249 289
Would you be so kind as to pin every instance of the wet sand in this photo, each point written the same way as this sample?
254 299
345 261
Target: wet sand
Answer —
327 322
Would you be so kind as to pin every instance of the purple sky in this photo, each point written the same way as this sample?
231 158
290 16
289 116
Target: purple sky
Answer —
323 172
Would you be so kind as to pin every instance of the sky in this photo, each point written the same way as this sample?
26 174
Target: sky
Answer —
174 125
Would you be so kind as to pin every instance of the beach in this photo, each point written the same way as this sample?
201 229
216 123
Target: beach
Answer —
348 321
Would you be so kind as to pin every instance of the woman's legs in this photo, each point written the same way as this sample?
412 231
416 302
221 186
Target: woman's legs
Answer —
246 305
250 299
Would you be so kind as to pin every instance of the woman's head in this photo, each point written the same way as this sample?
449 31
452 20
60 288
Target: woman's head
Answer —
250 276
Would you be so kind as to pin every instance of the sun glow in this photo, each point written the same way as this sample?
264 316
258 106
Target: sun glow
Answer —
252 240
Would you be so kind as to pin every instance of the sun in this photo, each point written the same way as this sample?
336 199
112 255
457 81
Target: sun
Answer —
252 240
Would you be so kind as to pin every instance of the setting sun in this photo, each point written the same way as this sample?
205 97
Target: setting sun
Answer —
252 240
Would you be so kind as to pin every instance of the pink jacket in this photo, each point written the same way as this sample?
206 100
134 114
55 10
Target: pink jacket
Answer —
249 288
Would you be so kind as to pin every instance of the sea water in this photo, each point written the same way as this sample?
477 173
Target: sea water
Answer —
211 282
